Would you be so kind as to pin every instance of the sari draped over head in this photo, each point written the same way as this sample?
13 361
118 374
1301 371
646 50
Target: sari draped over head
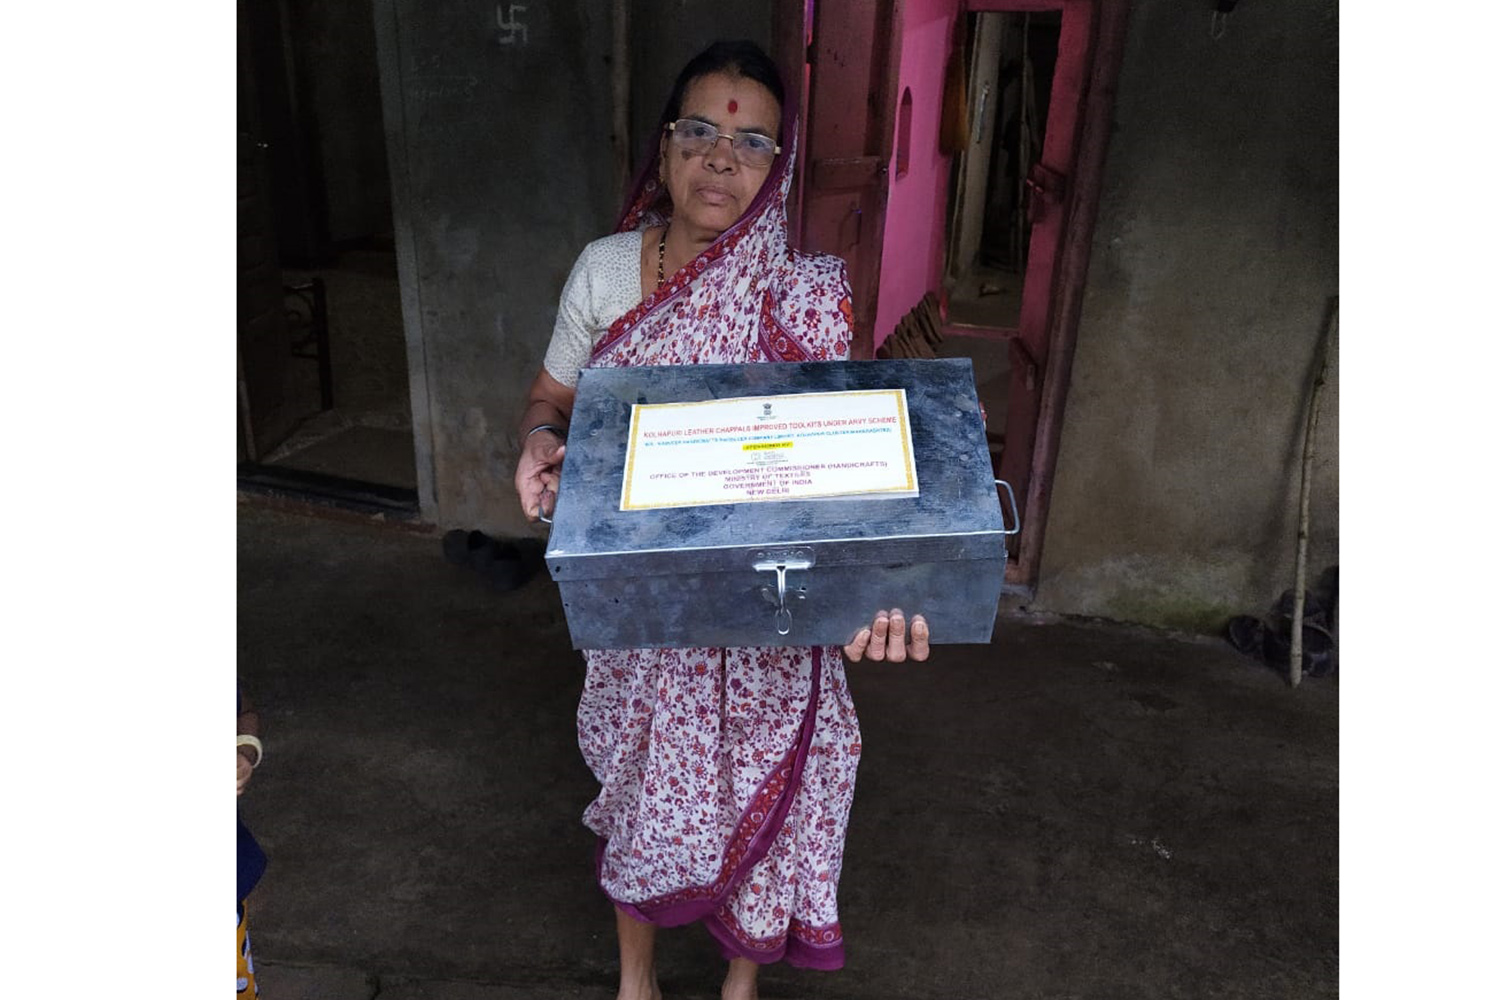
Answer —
727 774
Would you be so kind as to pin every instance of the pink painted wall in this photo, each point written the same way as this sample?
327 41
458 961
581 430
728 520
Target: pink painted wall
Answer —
912 251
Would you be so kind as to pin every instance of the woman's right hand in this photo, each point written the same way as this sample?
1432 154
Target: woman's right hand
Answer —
538 473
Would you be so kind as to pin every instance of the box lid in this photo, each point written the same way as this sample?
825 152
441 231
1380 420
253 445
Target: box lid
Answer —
957 505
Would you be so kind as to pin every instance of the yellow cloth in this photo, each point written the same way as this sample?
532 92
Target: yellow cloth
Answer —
245 984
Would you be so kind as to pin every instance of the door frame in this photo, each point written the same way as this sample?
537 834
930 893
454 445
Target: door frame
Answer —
1053 185
390 60
1045 358
1107 48
852 48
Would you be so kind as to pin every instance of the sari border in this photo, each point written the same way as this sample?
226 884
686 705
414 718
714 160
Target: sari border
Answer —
802 945
769 198
775 339
752 837
666 294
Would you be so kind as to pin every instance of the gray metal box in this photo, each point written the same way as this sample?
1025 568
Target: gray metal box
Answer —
709 575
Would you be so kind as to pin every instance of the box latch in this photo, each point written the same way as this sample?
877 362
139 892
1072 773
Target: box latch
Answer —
779 561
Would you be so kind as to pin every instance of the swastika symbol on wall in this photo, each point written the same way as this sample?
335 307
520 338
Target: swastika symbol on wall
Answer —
507 19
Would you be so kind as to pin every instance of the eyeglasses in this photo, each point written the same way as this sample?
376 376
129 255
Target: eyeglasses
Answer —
699 138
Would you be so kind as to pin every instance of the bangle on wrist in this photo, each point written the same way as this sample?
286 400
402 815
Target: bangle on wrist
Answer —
246 740
562 434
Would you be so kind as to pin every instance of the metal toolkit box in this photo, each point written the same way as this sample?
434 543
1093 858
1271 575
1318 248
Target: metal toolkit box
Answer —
788 572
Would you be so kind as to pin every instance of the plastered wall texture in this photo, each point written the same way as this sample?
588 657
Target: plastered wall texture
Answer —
498 122
498 125
1215 254
918 200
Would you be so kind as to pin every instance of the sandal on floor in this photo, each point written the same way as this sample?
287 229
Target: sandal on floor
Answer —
1247 634
509 565
460 547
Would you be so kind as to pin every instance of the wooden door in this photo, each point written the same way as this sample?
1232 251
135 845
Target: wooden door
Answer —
1048 197
848 107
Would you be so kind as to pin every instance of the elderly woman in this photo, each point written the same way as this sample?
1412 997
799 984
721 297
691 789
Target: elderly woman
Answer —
726 774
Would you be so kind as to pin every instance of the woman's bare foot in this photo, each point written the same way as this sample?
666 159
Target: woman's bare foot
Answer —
740 983
640 991
637 959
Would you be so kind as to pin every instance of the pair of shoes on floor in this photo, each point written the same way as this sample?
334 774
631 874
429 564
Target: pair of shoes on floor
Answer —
1272 643
1317 648
504 565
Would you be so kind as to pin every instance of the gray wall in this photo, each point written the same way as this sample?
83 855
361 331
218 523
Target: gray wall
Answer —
1215 253
501 171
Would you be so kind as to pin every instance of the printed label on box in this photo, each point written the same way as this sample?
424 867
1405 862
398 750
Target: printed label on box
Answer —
754 449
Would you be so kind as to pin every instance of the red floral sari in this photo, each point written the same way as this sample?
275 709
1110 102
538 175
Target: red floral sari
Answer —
727 774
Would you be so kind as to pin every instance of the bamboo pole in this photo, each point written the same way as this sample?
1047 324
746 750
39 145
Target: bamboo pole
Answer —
1299 587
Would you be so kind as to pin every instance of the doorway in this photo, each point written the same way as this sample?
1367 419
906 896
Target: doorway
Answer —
1010 59
973 252
325 402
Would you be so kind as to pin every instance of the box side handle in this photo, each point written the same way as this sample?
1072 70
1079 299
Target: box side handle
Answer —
1015 514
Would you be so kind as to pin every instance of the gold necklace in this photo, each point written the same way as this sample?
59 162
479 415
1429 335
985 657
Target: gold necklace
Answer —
661 258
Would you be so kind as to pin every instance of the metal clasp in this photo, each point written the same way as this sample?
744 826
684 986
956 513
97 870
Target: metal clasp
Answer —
778 561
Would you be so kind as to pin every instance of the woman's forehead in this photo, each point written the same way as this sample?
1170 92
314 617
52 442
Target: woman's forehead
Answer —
716 96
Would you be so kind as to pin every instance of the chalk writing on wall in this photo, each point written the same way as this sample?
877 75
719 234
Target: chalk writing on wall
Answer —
512 30
431 89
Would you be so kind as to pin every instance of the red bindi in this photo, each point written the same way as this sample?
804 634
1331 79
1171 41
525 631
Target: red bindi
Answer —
734 106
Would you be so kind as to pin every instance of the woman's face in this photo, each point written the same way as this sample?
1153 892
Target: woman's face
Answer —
710 191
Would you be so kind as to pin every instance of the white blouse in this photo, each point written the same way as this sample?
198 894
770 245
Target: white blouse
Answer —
604 285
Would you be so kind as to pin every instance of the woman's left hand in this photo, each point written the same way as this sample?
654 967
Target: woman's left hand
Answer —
886 639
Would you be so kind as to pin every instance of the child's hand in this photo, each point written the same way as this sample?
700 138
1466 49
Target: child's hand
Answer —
244 770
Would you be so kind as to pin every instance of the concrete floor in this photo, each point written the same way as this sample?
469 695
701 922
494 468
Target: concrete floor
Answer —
1078 810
